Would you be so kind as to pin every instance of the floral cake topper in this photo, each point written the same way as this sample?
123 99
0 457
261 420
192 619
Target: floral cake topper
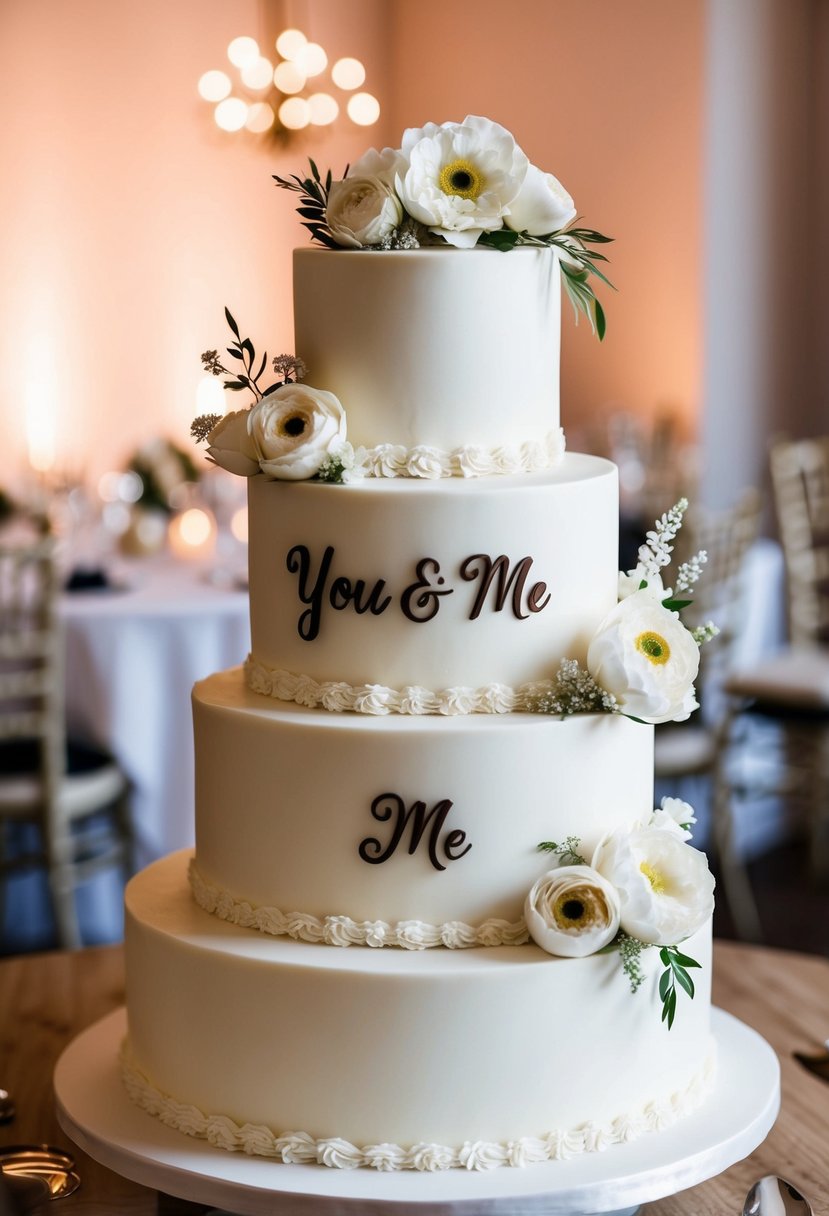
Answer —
466 184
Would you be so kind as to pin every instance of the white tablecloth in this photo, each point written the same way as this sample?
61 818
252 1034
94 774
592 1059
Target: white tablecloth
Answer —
132 657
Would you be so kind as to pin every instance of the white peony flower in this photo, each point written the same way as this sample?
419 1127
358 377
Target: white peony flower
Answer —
363 209
542 205
647 659
461 177
230 446
293 430
665 889
572 911
672 816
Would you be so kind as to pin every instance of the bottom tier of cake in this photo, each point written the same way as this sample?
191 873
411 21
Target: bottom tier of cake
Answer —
397 1059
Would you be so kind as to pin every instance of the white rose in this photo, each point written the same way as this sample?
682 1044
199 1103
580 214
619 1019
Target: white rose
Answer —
230 446
572 911
542 205
461 177
293 430
645 657
672 816
665 888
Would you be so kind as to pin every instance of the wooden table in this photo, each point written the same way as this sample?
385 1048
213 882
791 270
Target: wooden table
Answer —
45 1000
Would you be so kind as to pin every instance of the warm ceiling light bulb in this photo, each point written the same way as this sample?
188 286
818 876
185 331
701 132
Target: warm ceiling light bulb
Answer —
311 59
231 113
214 85
364 109
290 43
210 395
348 74
258 74
322 109
243 51
288 78
293 113
260 118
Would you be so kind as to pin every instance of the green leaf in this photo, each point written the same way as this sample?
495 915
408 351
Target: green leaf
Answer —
684 980
231 322
665 956
261 367
234 385
231 350
676 605
547 846
665 984
684 960
601 324
248 346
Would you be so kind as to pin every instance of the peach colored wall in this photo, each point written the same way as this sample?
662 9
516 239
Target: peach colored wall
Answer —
127 220
608 97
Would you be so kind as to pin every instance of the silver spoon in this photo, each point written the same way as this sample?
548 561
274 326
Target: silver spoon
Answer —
773 1196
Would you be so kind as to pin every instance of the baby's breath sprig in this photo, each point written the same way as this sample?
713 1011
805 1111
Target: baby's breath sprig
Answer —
574 691
567 851
704 633
201 427
287 366
630 949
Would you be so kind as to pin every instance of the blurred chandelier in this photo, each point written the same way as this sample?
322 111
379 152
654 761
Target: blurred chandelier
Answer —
278 98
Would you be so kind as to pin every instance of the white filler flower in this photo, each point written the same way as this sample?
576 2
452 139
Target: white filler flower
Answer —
294 429
648 660
461 177
542 205
572 911
674 815
363 209
230 446
665 889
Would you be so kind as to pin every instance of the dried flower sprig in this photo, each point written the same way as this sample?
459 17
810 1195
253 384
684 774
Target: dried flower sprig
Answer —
574 691
288 367
201 427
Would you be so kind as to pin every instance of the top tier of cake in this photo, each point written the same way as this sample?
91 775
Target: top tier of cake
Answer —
438 347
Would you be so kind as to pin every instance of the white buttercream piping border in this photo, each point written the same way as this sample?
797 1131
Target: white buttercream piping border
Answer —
379 700
300 1148
343 931
424 461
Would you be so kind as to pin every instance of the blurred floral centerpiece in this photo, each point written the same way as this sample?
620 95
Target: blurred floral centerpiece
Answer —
466 185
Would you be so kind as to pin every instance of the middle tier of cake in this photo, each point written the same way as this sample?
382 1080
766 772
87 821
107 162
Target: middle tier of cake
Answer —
446 585
307 820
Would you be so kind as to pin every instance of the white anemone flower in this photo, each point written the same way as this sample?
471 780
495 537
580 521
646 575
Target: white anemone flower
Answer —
230 446
461 177
648 660
542 205
665 889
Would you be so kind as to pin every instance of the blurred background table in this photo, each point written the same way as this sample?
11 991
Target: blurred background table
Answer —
46 1000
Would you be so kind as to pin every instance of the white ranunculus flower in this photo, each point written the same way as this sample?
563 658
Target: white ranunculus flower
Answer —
461 177
363 208
572 911
645 657
542 205
230 446
293 430
665 889
672 815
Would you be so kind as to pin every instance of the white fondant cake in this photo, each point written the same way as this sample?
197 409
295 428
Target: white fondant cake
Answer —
343 971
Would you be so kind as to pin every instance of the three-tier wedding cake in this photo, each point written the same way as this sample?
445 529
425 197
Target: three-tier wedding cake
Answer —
432 918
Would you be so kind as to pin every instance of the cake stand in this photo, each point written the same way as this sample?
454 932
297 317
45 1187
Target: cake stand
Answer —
94 1110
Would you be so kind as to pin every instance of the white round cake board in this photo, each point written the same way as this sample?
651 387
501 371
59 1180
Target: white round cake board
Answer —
94 1110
